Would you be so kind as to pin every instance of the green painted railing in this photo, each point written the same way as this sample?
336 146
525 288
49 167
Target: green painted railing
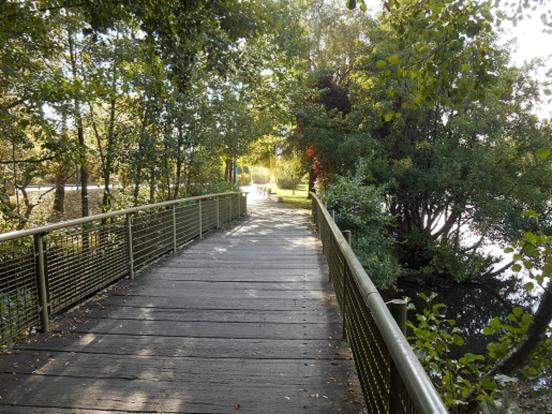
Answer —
391 377
46 270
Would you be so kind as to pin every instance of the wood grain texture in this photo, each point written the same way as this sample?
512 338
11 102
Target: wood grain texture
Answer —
242 321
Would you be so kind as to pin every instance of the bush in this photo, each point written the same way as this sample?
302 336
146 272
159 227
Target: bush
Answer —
243 169
244 179
289 173
358 207
260 176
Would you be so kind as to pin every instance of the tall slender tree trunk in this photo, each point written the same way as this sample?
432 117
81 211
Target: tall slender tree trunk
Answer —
228 170
80 131
59 196
137 179
152 185
109 154
62 174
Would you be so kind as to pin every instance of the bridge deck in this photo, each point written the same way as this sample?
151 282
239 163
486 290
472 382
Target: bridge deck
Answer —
243 321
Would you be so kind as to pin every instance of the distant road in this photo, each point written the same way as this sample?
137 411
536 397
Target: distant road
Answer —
72 187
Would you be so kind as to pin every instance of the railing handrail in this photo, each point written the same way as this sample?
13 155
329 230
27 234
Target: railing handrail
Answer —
12 235
420 388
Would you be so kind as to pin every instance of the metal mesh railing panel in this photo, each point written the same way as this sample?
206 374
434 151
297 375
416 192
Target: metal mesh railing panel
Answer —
83 256
187 222
19 308
226 209
152 235
208 214
80 261
367 343
235 206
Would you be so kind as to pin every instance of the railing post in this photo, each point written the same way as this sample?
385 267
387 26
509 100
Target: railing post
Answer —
218 212
398 308
231 215
174 226
348 235
239 205
333 215
129 244
200 221
41 279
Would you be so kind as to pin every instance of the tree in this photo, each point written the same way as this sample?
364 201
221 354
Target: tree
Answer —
432 98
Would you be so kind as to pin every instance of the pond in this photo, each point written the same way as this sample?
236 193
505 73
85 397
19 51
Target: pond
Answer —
471 304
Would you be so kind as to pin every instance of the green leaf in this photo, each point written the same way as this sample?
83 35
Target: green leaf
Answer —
544 153
547 270
381 64
529 286
489 407
388 116
488 383
530 250
530 213
393 59
516 267
458 340
351 4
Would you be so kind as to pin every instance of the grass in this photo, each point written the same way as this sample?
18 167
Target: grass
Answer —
299 199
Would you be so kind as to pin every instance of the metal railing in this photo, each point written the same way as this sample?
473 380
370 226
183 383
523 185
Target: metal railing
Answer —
46 270
391 377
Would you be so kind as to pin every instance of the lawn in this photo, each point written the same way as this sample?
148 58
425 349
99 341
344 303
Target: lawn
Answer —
299 199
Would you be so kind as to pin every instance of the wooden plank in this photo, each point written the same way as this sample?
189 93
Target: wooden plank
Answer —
162 368
205 315
194 302
247 274
276 331
170 397
215 294
200 285
190 347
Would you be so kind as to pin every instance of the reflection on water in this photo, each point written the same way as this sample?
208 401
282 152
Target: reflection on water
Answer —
471 304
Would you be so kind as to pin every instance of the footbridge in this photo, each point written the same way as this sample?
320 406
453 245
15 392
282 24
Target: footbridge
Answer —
200 305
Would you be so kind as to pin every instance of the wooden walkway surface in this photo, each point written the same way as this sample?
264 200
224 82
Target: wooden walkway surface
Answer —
242 321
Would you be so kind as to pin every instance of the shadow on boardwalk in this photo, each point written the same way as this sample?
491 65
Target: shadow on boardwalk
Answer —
242 321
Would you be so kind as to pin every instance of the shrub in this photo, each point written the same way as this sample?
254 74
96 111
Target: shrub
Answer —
260 175
358 207
289 173
244 179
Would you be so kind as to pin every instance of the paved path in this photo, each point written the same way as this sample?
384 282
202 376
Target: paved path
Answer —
243 321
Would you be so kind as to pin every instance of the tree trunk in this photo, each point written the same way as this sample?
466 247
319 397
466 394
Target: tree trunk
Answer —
523 352
152 186
137 179
536 332
106 198
80 132
59 197
228 170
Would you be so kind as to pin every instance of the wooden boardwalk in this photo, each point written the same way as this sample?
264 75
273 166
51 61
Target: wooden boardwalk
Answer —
242 321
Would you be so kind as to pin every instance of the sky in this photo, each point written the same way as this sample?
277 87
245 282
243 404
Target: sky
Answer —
532 42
